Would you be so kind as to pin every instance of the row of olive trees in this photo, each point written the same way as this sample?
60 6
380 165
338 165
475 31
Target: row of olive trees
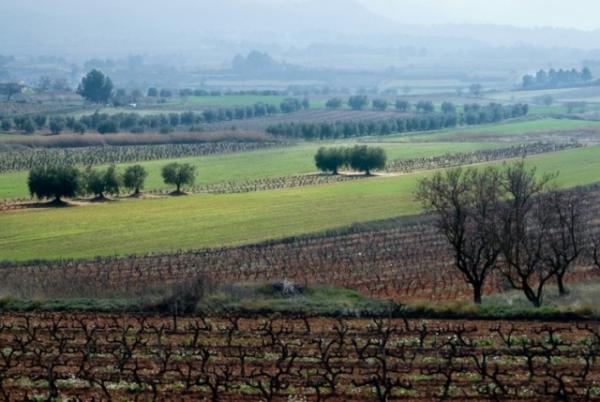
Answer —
57 182
508 220
359 158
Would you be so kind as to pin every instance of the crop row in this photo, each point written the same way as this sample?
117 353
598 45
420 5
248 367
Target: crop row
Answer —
16 159
141 357
486 155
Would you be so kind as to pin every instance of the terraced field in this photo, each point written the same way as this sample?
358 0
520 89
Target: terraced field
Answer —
243 166
199 221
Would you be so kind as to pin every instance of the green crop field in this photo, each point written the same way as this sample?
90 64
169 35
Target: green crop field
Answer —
199 221
256 165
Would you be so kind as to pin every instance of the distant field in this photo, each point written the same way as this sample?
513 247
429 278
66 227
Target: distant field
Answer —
583 94
258 164
506 128
231 100
217 220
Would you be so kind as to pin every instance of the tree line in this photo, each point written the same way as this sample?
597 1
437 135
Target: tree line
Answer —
360 158
557 78
510 221
165 123
62 181
471 115
361 102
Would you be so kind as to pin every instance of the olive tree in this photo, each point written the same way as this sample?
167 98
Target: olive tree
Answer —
99 182
365 159
179 175
331 159
54 182
134 178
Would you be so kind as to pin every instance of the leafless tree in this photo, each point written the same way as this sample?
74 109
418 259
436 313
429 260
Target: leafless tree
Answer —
524 229
565 238
466 202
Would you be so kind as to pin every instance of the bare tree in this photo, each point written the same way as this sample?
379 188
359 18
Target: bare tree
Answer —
565 238
466 202
525 223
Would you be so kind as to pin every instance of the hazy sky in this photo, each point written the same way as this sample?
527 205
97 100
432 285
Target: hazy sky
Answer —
581 14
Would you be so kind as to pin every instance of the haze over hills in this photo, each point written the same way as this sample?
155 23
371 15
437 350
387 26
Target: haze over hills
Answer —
111 27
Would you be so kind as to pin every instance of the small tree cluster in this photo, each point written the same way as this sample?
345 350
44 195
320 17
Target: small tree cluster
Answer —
507 220
557 78
57 182
359 158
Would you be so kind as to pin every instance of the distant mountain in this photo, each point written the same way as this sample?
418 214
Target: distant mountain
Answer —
176 25
86 28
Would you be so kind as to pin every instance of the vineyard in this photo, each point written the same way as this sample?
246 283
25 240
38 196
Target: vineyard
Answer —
405 260
140 357
16 159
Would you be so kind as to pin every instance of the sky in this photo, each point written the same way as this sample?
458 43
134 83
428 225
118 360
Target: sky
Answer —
580 14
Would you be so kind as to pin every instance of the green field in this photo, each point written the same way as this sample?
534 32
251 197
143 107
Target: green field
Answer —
218 220
255 165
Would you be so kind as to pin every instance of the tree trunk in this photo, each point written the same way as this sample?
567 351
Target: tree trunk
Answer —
562 290
477 294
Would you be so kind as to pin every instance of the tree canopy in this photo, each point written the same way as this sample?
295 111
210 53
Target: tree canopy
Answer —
331 159
179 175
54 182
96 87
134 178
